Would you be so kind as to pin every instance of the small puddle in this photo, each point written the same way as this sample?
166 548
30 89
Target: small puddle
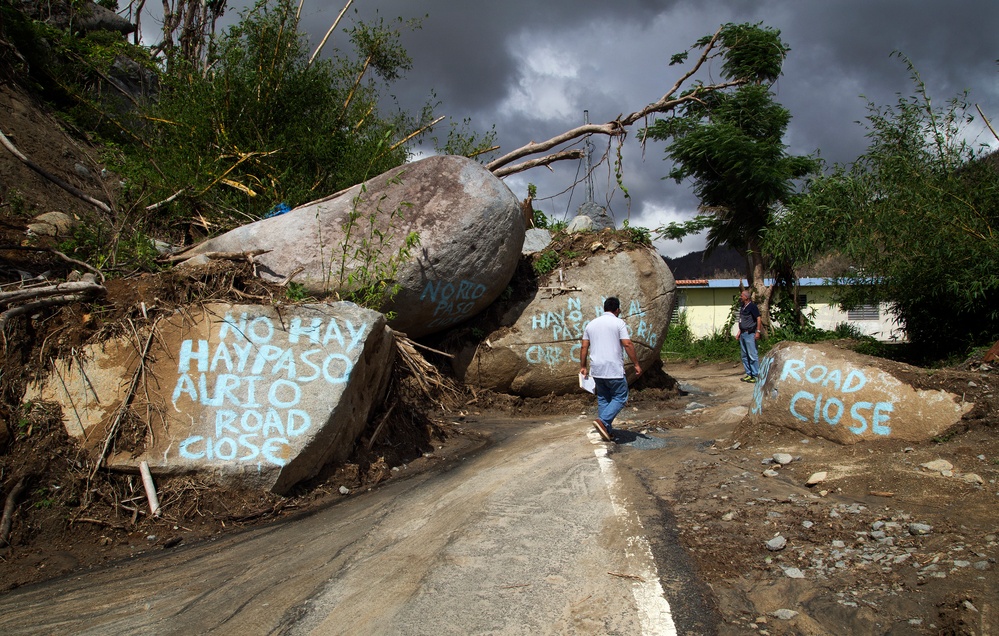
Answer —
641 441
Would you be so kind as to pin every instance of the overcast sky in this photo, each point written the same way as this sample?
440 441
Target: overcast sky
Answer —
531 67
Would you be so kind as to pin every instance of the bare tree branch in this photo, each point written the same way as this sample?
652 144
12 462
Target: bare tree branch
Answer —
541 161
619 126
51 177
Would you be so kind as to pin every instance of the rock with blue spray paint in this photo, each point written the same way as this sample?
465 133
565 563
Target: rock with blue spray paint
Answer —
470 228
834 393
247 395
536 351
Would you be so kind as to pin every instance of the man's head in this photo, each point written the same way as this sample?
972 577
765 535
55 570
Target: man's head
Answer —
744 296
612 304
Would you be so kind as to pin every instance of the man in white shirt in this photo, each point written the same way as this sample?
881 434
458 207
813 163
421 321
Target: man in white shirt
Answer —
604 341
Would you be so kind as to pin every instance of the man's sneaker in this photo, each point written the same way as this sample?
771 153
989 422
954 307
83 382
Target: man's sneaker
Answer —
751 380
599 425
746 378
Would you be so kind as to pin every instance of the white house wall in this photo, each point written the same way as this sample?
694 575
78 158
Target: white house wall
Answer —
708 310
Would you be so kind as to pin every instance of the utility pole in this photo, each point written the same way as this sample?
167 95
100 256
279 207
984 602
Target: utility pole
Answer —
589 165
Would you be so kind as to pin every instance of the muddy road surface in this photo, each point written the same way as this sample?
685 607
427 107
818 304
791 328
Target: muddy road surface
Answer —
533 532
686 525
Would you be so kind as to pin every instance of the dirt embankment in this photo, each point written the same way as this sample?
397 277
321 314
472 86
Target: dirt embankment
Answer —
883 545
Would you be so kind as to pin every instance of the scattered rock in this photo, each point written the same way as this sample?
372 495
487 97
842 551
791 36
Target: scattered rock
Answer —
250 395
785 614
938 466
783 458
55 224
918 529
535 349
536 240
579 224
816 478
597 214
777 543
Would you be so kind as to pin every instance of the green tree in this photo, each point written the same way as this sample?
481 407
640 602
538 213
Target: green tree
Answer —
916 217
729 143
263 125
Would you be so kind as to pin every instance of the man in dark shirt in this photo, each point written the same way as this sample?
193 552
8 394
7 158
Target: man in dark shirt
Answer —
749 333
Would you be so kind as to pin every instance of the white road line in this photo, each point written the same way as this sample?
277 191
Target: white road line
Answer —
655 614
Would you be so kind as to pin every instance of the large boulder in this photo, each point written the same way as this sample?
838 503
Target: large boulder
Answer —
470 227
826 391
598 214
535 351
245 395
84 17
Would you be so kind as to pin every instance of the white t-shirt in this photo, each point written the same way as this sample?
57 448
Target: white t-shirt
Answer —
606 353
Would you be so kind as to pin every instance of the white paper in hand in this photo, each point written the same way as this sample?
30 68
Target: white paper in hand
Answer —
587 383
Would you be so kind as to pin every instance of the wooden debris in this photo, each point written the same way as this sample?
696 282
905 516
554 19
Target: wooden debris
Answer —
8 509
381 425
140 372
76 192
150 487
434 386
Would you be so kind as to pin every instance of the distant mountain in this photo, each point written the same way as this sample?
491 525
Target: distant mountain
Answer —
724 262
727 263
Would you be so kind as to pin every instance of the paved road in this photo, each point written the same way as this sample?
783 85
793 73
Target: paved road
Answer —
531 535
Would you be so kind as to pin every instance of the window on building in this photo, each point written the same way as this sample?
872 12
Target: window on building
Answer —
802 300
864 312
679 307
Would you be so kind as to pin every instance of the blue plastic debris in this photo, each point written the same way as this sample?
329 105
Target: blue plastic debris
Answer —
278 210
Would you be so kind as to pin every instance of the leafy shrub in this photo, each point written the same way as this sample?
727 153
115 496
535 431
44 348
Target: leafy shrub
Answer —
542 221
680 344
264 125
639 234
546 263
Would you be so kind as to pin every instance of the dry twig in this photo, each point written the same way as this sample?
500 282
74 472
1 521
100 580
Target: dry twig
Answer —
434 386
381 425
21 310
76 192
140 372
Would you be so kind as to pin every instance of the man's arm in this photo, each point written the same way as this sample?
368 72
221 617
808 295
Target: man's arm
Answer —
630 349
583 351
759 323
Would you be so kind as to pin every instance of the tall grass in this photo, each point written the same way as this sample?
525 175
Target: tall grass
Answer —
680 344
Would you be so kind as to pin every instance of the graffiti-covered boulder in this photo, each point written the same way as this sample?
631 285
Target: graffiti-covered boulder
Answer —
535 351
245 395
470 229
826 391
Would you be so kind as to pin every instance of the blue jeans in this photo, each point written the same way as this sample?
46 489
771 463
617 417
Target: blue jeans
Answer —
612 395
750 359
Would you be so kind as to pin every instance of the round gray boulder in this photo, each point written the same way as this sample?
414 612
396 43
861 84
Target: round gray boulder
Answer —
536 350
470 228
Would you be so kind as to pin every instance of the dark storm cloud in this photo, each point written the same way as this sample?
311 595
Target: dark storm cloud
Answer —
530 67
